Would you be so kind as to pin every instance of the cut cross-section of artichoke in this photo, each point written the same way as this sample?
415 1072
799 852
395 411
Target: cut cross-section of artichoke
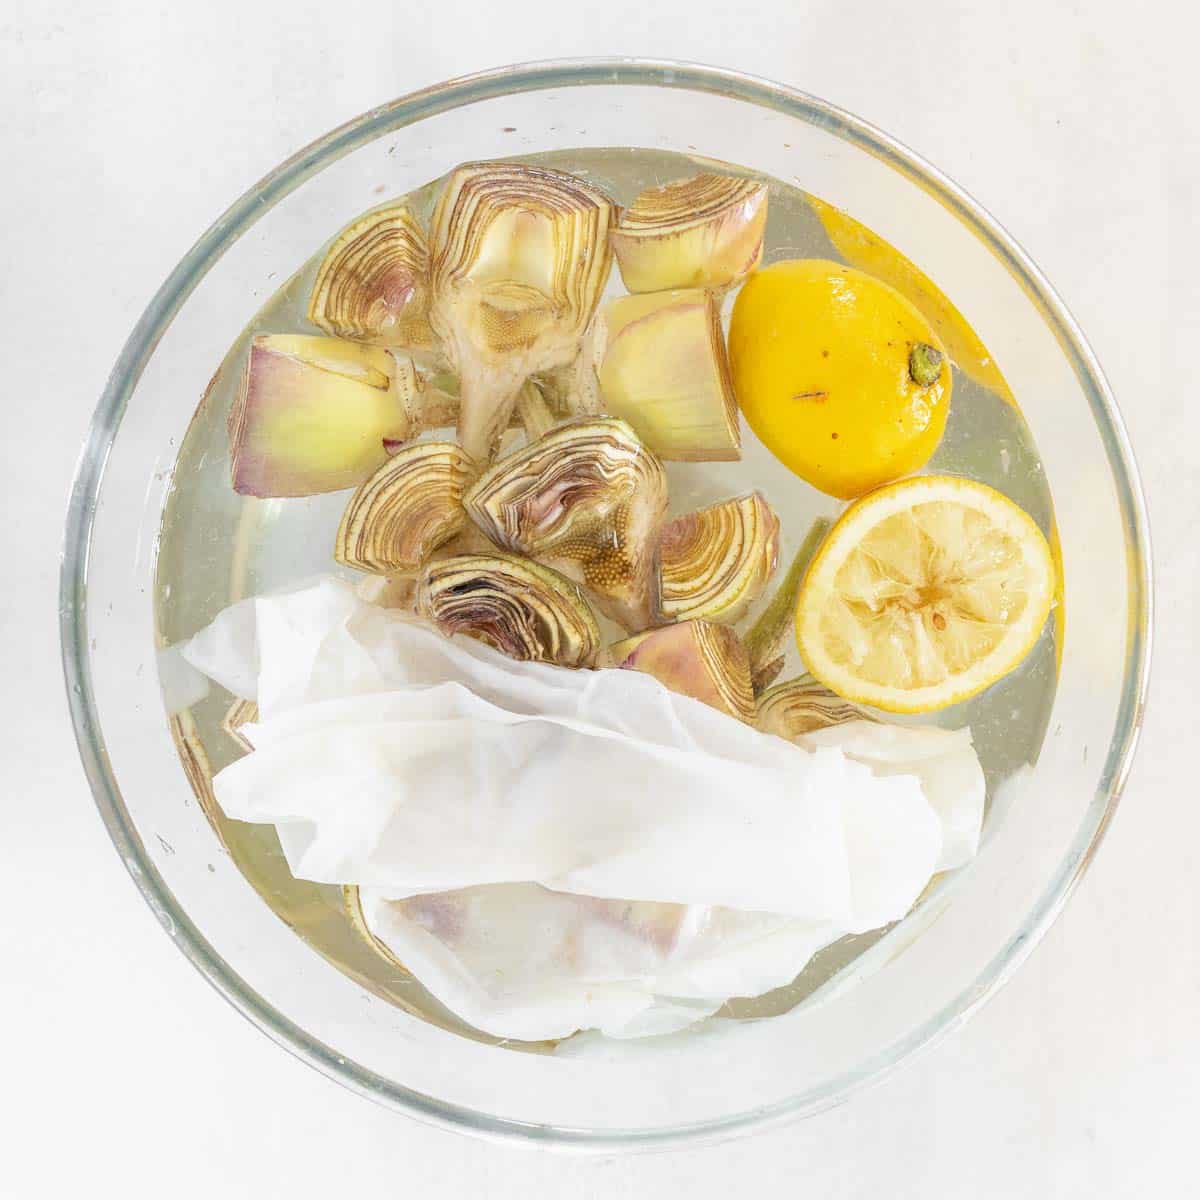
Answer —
803 705
715 562
586 498
706 231
373 283
521 608
519 258
408 508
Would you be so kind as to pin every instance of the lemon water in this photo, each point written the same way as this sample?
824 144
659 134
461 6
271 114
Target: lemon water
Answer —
217 547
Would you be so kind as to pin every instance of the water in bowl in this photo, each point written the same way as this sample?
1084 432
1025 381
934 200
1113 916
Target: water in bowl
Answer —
217 547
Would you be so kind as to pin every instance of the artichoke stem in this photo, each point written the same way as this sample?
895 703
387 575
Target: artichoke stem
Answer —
766 637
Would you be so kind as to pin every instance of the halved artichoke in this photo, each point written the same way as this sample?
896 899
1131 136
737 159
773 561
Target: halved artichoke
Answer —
715 562
666 372
586 498
373 284
408 508
521 608
706 231
519 258
694 658
802 705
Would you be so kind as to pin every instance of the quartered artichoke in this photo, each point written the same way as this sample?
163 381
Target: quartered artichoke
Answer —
694 658
521 608
706 231
519 258
666 372
408 508
373 284
715 562
802 705
312 415
587 498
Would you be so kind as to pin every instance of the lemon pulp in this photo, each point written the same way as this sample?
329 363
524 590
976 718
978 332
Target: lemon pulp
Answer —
924 593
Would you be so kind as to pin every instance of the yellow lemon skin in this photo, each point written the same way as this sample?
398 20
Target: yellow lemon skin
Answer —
869 252
819 354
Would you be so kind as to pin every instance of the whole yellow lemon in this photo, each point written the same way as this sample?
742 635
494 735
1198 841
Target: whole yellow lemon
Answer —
841 378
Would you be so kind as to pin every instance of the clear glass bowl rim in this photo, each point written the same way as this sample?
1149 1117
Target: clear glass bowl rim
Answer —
405 111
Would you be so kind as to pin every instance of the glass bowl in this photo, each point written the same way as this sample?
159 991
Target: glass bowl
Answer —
1045 825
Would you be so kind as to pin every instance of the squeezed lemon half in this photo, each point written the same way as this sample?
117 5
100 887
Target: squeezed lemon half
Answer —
924 593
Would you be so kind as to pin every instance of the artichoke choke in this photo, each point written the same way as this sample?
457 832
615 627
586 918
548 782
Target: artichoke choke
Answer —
586 498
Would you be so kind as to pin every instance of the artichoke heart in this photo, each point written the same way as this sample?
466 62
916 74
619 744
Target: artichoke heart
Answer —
803 705
312 415
520 608
519 258
586 498
706 231
694 658
715 562
407 509
373 284
666 372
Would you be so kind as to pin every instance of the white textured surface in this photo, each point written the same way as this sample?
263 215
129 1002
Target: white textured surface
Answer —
125 129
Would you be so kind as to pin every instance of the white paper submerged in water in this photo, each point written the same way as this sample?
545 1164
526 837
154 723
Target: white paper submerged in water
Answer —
182 685
942 759
430 789
523 962
550 850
